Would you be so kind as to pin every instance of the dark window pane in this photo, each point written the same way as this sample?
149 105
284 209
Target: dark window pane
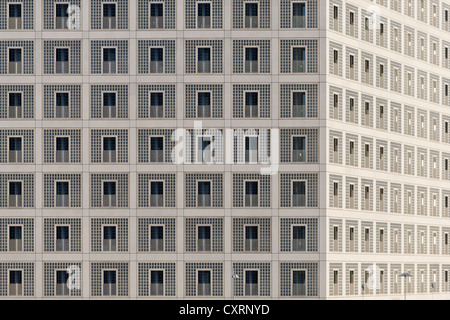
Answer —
157 187
109 10
109 232
62 188
62 55
109 188
62 233
156 10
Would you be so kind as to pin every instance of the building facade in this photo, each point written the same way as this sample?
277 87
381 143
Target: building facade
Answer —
274 149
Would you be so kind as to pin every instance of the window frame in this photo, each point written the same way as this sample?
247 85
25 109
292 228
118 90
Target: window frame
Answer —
150 193
22 94
211 233
55 143
55 192
244 280
306 281
305 47
69 105
55 4
150 236
9 4
244 59
305 3
102 98
55 275
103 192
292 93
150 14
8 143
258 226
306 235
306 147
197 92
210 47
103 279
150 92
244 187
8 232
244 99
55 234
163 48
247 135
9 281
102 145
150 148
244 3
211 194
116 48
55 49
211 279
102 234
196 11
103 16
150 281
22 185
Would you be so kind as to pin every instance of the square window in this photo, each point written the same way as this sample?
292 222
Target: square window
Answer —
61 15
62 108
15 61
156 16
251 15
15 16
109 16
204 60
204 15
